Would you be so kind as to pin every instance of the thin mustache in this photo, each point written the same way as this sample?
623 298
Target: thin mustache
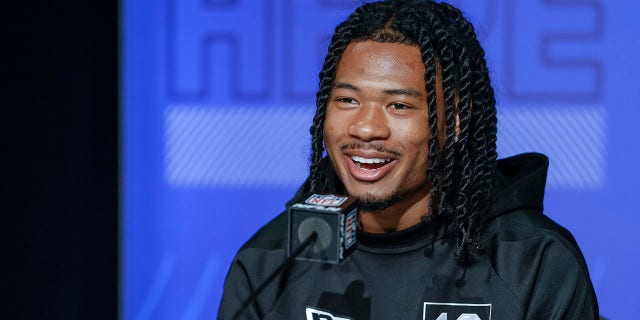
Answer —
368 146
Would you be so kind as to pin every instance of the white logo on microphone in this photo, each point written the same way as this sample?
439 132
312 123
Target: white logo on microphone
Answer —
328 200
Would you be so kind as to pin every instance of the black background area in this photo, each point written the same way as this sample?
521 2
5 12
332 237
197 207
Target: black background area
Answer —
60 156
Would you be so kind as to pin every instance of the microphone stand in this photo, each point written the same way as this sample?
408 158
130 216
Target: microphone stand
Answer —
284 266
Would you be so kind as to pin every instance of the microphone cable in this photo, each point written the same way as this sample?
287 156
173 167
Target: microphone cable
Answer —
284 266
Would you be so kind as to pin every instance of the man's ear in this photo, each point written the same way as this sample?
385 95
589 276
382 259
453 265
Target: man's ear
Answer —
456 130
456 115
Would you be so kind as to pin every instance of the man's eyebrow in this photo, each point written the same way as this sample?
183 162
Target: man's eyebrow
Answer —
403 92
391 92
344 85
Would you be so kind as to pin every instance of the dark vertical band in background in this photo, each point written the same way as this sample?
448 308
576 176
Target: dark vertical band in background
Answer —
60 144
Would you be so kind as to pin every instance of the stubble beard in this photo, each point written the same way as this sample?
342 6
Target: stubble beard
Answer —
369 203
372 204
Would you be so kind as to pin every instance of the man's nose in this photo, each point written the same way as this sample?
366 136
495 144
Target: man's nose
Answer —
370 124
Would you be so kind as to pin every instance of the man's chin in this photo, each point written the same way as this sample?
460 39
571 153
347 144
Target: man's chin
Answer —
377 204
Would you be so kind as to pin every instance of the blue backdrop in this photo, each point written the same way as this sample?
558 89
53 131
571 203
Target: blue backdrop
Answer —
218 95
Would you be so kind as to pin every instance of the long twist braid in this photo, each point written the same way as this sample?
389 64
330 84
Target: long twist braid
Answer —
474 181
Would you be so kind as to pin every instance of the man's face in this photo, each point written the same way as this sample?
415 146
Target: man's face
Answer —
376 127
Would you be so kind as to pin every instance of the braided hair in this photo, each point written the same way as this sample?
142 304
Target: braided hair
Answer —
463 158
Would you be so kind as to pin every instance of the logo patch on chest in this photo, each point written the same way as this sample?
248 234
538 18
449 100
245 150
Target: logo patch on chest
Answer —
314 314
456 311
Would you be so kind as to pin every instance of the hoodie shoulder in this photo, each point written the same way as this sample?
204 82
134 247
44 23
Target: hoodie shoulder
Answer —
526 225
542 265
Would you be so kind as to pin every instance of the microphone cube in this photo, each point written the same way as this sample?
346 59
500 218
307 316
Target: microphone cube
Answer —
333 217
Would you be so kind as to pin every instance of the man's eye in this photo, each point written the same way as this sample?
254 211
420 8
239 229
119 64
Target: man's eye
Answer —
346 100
399 106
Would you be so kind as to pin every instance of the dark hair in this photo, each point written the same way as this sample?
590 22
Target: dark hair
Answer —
461 169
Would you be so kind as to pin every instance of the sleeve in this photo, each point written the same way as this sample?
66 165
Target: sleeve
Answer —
563 289
237 290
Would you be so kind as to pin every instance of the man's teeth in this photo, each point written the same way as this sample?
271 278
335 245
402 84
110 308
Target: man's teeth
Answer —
366 160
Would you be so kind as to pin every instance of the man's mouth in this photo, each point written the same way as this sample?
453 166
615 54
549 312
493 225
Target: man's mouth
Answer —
370 163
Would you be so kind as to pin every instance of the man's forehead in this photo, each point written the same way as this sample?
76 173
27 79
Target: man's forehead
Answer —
395 68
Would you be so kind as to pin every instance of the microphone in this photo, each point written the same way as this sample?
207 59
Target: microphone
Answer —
321 229
333 217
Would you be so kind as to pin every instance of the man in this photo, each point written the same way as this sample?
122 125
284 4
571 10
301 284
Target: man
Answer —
406 115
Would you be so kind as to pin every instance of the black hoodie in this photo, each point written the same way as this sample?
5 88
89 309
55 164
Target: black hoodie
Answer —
530 268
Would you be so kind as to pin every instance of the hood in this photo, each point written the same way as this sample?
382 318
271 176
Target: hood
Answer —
519 183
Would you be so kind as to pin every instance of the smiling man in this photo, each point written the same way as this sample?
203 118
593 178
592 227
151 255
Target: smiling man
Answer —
406 115
376 133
